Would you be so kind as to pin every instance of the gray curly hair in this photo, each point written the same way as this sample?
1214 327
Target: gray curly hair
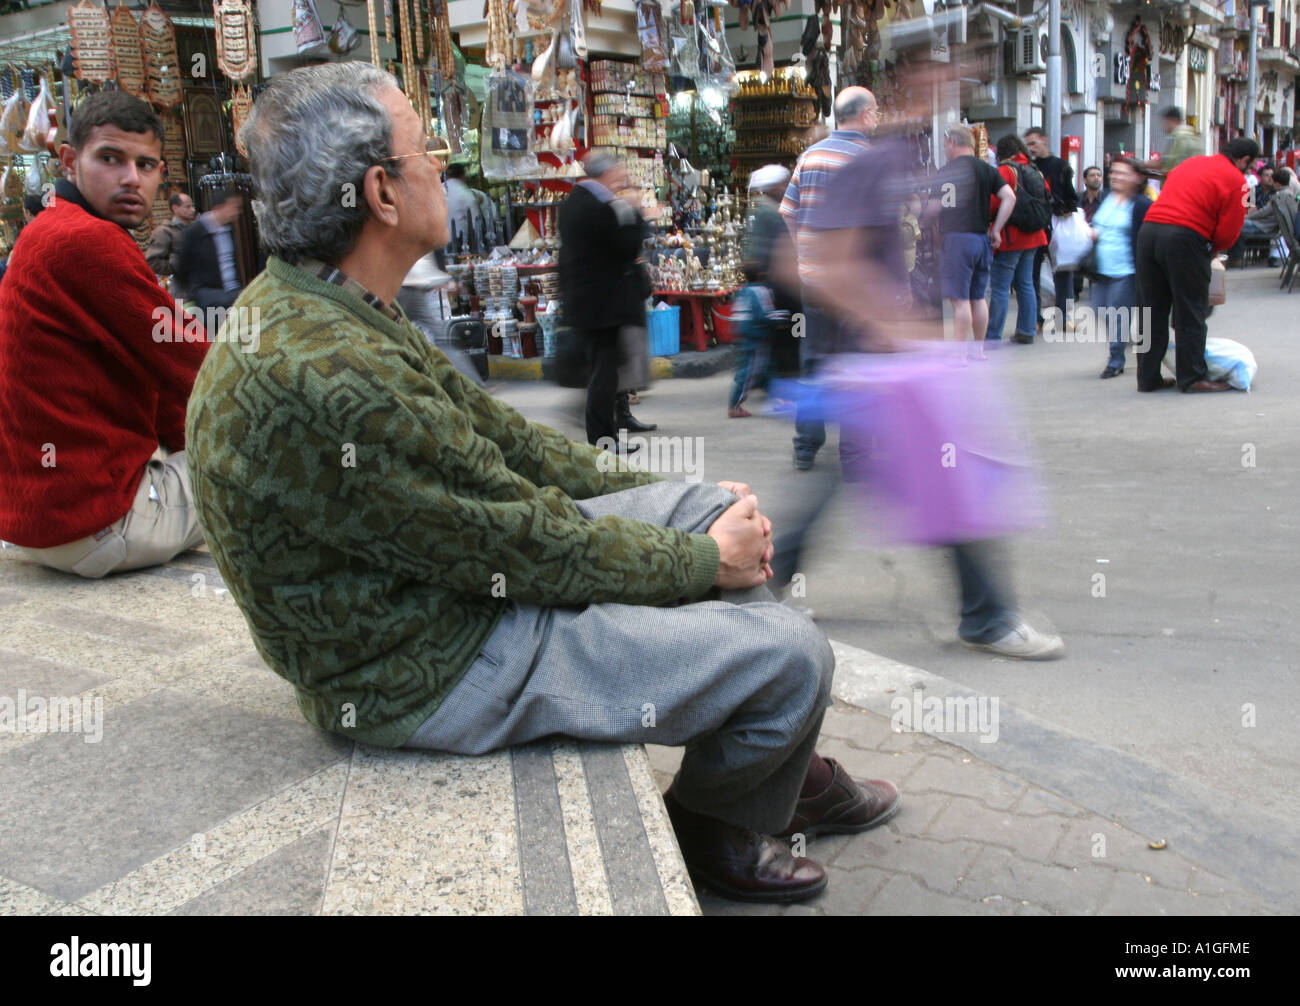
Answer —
310 137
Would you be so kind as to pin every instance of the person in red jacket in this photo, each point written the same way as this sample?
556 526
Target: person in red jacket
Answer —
1013 262
1199 212
94 372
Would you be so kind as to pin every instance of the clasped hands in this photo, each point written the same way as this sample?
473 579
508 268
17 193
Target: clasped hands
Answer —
744 538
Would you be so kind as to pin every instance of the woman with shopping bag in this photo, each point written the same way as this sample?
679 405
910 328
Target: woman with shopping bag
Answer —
1115 227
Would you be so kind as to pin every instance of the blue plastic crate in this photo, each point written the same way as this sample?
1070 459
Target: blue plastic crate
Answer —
665 331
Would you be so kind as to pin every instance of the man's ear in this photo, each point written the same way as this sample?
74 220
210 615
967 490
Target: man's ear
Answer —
380 194
68 161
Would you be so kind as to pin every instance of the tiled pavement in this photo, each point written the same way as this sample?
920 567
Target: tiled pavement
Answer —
209 794
200 789
972 839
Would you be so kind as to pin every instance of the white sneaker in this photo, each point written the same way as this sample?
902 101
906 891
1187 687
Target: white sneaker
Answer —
1023 642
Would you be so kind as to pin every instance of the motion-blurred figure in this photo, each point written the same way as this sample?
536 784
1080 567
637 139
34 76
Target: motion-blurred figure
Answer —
855 242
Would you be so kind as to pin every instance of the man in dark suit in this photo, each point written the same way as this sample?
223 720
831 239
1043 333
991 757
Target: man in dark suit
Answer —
602 285
206 264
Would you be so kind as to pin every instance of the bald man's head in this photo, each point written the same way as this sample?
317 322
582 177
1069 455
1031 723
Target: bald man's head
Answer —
855 108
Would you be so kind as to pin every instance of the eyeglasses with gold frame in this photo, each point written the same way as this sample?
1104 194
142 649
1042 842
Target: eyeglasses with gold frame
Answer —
436 147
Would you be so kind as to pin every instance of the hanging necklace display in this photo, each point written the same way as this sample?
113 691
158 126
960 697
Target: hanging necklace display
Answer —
236 40
388 21
158 40
92 38
126 51
409 77
241 104
443 54
373 19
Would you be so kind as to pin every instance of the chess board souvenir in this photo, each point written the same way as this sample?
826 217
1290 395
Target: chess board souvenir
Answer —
92 42
127 54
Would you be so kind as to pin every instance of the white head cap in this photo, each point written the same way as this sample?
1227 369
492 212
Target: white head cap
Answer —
769 176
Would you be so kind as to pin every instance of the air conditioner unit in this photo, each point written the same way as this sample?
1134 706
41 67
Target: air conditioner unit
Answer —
1027 58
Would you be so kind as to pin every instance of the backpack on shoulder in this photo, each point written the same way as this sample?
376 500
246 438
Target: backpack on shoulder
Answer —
1033 210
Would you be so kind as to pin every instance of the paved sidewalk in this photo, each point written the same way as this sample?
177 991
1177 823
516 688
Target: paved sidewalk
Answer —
972 839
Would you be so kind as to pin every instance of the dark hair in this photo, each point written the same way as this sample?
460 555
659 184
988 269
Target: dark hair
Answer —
455 171
1091 167
1036 131
1282 176
33 203
176 198
1268 167
1172 112
112 108
223 196
1239 147
1010 145
1133 163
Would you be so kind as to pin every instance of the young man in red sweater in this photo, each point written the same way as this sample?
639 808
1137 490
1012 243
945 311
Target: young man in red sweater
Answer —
93 378
1199 212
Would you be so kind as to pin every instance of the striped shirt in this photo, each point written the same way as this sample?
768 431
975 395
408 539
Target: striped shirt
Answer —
816 167
332 274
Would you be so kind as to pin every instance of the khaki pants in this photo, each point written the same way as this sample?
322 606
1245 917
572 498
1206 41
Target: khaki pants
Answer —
161 524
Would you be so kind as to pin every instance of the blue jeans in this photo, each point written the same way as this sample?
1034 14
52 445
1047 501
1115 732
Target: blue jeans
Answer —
1117 297
1012 267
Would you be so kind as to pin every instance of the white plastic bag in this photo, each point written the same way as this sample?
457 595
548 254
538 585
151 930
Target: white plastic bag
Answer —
1071 241
1225 360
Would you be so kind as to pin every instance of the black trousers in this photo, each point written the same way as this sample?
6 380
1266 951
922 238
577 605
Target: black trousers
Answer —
604 353
1173 272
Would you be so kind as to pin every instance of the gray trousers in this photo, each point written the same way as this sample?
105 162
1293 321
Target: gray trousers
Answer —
741 682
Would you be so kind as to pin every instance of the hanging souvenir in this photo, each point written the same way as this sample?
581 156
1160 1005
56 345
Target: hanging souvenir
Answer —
13 120
173 142
388 21
241 104
373 22
127 56
498 34
38 120
308 33
343 37
12 183
236 39
162 65
92 37
161 211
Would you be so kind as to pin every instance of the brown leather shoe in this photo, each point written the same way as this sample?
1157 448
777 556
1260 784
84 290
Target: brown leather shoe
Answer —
740 864
1208 386
846 808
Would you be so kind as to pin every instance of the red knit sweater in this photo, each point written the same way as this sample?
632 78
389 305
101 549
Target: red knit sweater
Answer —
1206 194
86 393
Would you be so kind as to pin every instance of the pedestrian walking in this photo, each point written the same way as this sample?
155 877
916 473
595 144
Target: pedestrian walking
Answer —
1013 263
961 194
1115 228
602 285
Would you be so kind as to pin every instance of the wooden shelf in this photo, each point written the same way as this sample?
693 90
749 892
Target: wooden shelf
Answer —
742 155
772 97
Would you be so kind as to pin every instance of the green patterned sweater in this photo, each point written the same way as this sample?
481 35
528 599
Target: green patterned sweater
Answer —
369 506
